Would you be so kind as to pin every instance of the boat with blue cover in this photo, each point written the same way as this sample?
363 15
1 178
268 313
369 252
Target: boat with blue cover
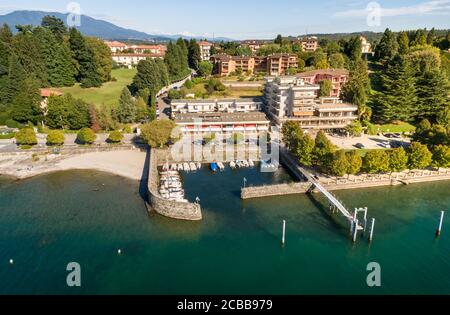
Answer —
214 167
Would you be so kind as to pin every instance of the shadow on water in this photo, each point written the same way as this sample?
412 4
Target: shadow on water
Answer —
326 213
143 186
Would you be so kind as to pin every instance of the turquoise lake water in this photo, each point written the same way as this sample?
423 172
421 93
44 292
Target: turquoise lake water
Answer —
86 216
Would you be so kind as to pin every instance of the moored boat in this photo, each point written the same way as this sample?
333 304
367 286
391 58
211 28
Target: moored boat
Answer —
214 167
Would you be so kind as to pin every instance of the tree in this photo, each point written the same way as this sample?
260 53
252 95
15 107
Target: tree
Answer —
55 137
403 43
355 129
151 76
419 156
194 56
354 162
353 49
26 136
320 60
376 161
105 118
337 61
441 156
127 109
176 60
398 99
84 57
93 118
420 38
398 160
323 151
326 86
115 137
432 95
357 90
339 164
279 40
102 57
86 136
6 34
65 112
205 69
142 111
55 25
158 133
387 47
25 105
291 131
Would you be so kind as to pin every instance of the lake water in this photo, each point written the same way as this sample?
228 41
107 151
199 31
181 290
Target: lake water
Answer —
86 216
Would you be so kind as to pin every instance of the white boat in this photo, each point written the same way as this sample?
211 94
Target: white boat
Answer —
169 173
173 167
232 165
199 165
221 166
193 167
186 167
165 167
251 163
239 164
245 163
180 167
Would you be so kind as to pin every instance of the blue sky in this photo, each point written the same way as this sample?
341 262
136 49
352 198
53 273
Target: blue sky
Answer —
242 19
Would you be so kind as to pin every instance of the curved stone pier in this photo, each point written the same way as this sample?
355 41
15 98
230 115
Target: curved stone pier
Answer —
171 209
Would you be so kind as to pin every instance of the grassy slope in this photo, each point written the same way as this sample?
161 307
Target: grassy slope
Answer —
109 93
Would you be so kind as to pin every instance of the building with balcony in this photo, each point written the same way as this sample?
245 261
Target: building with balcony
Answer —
290 98
276 64
116 46
308 44
131 60
366 46
205 50
338 78
222 123
255 45
242 105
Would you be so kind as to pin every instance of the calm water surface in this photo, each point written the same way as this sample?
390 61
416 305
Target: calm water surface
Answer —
85 217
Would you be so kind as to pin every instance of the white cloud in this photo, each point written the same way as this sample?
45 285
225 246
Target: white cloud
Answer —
430 7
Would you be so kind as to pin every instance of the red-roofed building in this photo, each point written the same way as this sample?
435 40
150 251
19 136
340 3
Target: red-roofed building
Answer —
131 60
116 46
45 94
338 78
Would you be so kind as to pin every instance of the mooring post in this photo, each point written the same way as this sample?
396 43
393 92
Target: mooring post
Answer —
355 230
438 232
283 239
371 230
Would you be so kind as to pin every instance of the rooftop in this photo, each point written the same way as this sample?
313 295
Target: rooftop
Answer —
208 101
115 44
49 92
323 72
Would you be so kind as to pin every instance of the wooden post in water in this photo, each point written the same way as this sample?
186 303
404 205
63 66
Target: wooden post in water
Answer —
438 232
355 230
371 230
283 240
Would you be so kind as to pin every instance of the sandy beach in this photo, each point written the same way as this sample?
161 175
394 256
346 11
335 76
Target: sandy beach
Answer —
127 163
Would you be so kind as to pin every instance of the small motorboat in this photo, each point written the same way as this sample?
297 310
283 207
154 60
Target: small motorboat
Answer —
214 167
251 163
180 167
186 167
199 165
232 165
221 166
165 167
193 167
245 163
173 167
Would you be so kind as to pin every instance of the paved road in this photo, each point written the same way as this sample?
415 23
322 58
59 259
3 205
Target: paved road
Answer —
164 107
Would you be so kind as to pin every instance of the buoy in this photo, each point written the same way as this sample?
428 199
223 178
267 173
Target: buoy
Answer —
119 252
11 262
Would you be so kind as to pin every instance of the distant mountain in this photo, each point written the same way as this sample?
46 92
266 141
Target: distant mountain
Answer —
89 26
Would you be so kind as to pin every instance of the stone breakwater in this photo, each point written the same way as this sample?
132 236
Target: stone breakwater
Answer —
171 209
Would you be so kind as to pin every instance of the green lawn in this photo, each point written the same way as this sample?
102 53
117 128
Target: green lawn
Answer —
109 93
200 90
396 128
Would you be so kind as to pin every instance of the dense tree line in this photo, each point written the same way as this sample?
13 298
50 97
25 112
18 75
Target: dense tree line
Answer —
322 154
49 55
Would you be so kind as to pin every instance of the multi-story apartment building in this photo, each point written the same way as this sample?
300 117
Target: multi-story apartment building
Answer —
338 78
220 116
131 60
291 98
273 65
205 50
278 64
118 47
309 44
218 105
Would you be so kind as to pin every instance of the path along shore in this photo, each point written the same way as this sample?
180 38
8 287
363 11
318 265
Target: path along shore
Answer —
128 163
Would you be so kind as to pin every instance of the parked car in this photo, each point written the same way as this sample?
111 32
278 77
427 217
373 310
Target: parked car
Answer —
386 145
360 146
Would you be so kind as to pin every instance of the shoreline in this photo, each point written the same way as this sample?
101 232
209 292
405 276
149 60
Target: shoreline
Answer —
127 163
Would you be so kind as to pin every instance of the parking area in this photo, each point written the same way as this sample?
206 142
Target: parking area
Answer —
369 142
